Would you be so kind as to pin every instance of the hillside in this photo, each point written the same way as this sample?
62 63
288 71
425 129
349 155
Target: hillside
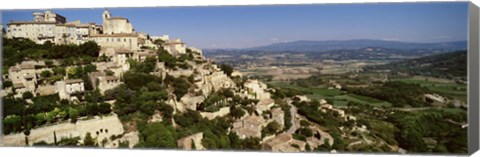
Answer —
445 65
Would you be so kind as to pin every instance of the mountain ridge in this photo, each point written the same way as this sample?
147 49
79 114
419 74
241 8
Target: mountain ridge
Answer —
326 45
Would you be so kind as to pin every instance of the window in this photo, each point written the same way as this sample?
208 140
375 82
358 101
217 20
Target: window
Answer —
124 40
107 39
118 39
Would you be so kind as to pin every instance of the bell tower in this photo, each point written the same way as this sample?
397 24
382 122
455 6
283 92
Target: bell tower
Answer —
106 15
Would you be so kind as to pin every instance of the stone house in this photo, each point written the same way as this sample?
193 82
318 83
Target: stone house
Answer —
278 116
256 89
121 57
103 81
175 47
264 105
188 142
249 126
49 26
284 143
68 89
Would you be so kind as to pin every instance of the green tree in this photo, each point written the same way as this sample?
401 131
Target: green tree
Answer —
59 71
7 84
89 141
167 58
104 108
271 128
73 114
227 69
156 135
89 48
45 74
27 95
236 112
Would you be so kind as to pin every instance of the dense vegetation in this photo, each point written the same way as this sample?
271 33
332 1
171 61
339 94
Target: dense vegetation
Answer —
398 93
23 116
18 50
446 65
413 131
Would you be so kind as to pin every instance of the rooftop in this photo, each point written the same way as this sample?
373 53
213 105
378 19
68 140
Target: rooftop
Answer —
73 81
115 35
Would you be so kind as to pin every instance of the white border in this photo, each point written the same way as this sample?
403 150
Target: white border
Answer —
73 152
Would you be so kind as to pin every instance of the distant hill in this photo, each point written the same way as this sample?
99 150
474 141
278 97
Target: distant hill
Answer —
444 65
319 46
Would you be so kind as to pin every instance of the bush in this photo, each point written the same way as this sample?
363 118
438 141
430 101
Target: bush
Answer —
27 95
7 84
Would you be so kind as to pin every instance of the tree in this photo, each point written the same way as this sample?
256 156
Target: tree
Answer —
89 141
104 108
45 74
167 58
59 71
271 128
12 123
306 132
73 114
40 119
89 48
304 123
209 143
251 143
227 69
27 95
55 138
236 112
7 84
156 135
158 41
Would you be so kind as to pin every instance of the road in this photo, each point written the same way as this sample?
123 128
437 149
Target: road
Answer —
293 112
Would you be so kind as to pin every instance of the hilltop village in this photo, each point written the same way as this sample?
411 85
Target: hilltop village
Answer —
73 84
179 88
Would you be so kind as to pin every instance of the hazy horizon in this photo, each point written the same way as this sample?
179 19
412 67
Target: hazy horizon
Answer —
223 27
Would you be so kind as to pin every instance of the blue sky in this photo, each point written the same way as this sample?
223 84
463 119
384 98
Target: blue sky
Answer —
250 26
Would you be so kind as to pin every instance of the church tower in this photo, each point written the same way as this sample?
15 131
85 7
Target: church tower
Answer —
106 15
106 24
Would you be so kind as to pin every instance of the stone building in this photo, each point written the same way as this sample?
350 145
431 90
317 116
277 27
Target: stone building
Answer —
175 47
116 25
278 116
103 82
25 76
249 126
121 57
191 141
264 105
284 143
256 89
69 89
49 26
120 40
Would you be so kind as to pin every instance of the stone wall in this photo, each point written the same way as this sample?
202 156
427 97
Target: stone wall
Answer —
220 113
110 125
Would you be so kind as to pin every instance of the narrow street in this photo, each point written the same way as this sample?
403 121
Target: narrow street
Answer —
293 112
